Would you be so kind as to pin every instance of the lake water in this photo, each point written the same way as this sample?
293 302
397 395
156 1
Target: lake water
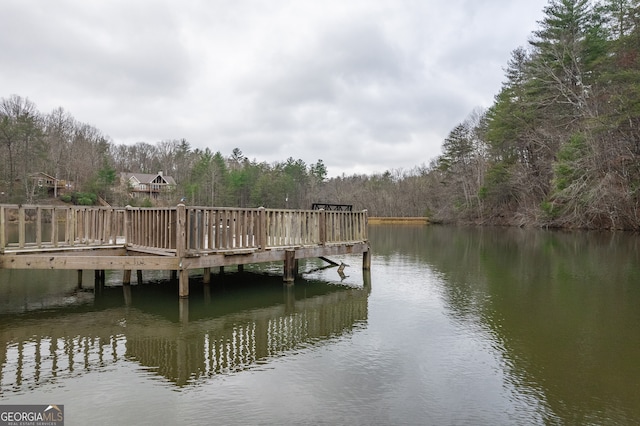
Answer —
453 326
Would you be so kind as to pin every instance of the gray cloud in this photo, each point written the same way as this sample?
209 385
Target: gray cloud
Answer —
364 85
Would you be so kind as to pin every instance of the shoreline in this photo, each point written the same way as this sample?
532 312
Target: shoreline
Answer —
398 221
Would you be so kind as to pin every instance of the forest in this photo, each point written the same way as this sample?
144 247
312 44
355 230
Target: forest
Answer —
559 147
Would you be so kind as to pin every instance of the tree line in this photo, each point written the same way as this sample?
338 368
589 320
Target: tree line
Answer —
559 146
58 145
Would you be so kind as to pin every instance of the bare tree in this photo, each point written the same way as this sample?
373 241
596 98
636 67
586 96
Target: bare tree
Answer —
59 128
20 136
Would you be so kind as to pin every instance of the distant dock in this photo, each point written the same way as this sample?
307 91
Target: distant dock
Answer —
398 220
177 238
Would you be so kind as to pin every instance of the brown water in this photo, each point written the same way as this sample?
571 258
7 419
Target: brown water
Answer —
453 326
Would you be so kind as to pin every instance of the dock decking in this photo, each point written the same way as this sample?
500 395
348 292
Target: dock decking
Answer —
177 238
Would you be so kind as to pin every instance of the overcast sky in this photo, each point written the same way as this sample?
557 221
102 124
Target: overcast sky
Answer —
364 85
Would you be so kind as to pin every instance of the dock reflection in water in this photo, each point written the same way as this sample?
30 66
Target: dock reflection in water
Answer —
225 328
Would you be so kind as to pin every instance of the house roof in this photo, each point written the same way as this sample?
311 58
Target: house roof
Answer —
33 175
148 178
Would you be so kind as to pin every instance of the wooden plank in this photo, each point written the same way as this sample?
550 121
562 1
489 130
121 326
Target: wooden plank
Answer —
220 259
164 220
210 234
152 250
31 249
157 228
96 225
238 251
241 238
87 262
21 227
322 227
73 226
3 224
54 227
224 244
88 225
39 226
189 228
261 231
110 232
240 229
181 232
202 228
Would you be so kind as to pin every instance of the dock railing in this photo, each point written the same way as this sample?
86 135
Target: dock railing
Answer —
219 229
175 231
32 227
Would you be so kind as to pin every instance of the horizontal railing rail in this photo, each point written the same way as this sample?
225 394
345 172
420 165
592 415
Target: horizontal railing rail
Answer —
176 230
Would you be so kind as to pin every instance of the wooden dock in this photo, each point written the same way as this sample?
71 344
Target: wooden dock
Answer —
177 238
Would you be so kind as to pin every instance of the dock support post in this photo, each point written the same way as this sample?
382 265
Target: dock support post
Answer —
99 277
183 283
240 268
126 277
126 292
139 276
183 312
322 230
206 276
366 260
366 279
181 248
207 294
289 298
79 278
290 266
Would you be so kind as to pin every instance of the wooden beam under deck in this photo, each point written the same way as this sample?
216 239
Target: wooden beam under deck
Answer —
120 259
32 261
277 255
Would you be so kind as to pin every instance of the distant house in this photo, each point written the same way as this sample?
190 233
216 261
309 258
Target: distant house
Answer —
43 180
50 183
145 185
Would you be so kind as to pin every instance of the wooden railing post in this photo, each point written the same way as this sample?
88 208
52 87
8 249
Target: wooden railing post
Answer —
3 224
38 226
54 227
181 241
365 225
181 230
322 222
21 227
262 229
127 225
73 226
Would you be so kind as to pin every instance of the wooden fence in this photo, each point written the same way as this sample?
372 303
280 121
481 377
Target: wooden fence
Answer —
175 230
39 227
